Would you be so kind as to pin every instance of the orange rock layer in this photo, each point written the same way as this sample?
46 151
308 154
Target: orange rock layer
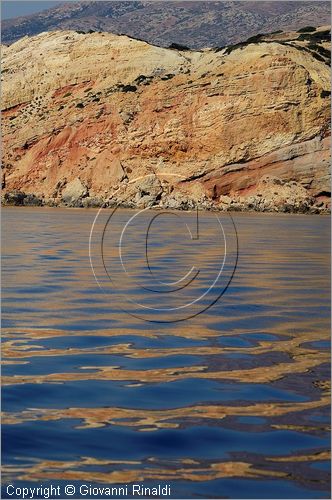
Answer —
99 118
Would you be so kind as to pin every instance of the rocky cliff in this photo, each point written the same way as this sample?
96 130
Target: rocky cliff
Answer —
94 118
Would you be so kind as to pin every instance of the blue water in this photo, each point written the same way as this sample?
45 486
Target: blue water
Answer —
229 403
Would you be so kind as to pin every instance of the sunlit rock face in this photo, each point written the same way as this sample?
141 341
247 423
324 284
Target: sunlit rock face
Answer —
244 127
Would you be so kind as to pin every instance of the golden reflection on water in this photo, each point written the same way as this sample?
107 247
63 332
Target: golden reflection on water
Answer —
184 469
199 473
158 419
301 359
300 364
267 330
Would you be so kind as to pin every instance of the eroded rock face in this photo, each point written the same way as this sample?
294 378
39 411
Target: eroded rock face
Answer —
121 121
74 192
273 194
149 191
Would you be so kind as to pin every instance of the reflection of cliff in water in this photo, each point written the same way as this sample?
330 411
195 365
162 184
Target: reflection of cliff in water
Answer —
240 392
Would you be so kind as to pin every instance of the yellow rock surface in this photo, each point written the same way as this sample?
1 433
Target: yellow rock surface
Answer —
107 109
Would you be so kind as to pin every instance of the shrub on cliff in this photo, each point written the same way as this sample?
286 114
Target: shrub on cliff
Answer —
306 29
127 88
178 46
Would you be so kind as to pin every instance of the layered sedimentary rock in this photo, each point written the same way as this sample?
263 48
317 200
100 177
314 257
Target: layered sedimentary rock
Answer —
99 118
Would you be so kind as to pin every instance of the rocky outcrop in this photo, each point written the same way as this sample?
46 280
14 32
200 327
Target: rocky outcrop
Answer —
73 193
101 119
272 194
18 198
